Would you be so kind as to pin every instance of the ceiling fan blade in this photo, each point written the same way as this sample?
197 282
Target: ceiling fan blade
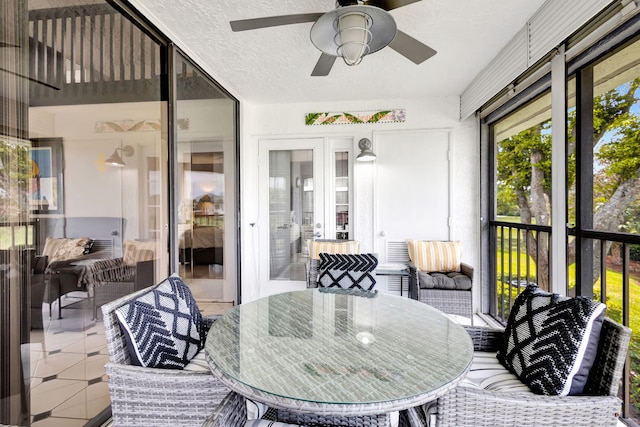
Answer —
411 48
323 66
390 4
273 21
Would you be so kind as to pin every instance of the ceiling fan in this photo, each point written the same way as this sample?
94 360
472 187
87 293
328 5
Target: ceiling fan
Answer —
354 29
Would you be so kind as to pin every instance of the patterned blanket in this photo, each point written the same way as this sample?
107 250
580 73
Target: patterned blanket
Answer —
106 270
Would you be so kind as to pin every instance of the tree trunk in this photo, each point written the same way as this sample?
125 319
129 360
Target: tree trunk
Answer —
538 243
610 215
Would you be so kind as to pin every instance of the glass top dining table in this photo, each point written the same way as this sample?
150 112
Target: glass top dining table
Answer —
338 352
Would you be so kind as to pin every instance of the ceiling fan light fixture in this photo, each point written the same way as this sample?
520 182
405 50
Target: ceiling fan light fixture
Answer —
353 36
353 31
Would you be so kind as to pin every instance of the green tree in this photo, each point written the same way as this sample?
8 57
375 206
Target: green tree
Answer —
524 166
15 173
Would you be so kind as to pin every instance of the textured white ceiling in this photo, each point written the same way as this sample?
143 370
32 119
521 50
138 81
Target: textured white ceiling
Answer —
273 65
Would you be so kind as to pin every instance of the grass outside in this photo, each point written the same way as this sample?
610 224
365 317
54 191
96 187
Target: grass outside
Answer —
15 236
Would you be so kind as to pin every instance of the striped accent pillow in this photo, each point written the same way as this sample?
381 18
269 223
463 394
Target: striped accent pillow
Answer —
435 256
64 248
136 251
346 247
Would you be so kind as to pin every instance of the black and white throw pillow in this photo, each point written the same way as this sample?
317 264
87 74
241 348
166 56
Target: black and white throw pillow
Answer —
347 271
550 342
163 327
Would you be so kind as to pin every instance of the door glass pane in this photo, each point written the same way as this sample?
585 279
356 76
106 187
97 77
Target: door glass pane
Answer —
291 212
343 195
205 168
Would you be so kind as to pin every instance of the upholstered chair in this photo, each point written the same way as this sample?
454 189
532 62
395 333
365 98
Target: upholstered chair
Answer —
155 396
437 276
330 246
558 362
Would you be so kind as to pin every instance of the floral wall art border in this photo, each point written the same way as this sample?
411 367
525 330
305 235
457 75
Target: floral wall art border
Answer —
397 115
149 125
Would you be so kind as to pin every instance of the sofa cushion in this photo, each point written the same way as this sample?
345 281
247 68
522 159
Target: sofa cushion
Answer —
62 248
347 271
453 281
433 256
345 247
550 342
135 251
163 327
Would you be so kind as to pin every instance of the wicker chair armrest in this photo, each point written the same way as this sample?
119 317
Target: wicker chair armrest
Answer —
608 368
145 274
150 396
313 269
484 338
159 376
414 285
465 406
467 270
231 412
39 265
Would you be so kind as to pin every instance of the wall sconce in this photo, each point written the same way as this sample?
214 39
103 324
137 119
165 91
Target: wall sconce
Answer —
366 155
116 160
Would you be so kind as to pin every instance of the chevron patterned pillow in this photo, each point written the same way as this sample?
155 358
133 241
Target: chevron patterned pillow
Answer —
550 342
163 327
347 271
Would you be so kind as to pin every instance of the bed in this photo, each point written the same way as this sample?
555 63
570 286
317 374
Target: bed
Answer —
201 244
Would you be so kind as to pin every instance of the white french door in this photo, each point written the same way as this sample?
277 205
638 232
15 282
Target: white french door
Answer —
291 204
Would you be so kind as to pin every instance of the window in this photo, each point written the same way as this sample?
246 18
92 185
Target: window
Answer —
522 150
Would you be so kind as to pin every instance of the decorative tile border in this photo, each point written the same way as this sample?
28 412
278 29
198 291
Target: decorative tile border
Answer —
397 115
152 125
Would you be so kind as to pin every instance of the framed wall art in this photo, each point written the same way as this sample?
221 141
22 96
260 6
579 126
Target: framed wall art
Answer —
46 189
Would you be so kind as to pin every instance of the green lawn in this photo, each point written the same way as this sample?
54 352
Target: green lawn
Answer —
18 239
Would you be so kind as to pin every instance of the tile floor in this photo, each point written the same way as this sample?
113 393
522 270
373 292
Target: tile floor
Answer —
67 358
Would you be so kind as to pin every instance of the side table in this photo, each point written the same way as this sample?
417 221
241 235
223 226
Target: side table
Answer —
393 269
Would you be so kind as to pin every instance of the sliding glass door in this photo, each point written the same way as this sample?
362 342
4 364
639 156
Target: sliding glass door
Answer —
206 185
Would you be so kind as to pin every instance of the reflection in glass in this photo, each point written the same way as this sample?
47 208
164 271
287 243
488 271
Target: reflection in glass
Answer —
291 212
205 170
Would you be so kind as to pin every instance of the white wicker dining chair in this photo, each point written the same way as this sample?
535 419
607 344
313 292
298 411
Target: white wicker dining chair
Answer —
599 406
143 396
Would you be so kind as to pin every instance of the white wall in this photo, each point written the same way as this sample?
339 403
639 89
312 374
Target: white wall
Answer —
92 188
288 121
